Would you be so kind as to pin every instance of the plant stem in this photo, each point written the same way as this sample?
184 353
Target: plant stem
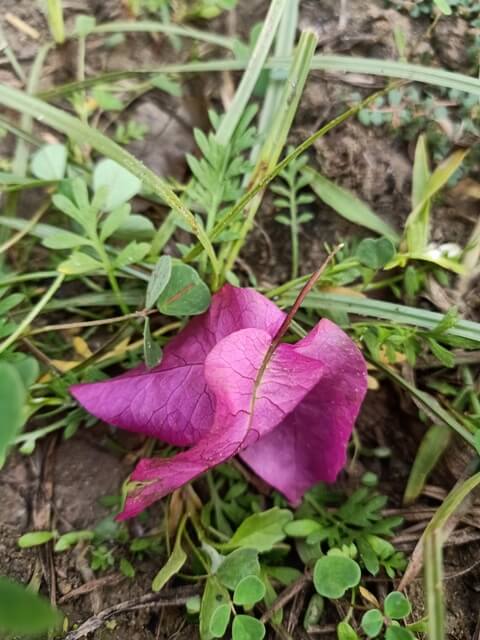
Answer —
294 229
34 312
110 271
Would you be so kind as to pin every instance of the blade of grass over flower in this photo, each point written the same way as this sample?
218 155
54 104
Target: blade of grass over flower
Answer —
346 64
151 26
348 205
83 134
398 313
252 72
277 135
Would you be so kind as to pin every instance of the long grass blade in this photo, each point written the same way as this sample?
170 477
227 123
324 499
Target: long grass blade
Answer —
398 313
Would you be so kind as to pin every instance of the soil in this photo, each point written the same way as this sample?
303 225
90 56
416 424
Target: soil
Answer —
81 471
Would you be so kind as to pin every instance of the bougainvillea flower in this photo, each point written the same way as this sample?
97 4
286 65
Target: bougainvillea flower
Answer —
224 387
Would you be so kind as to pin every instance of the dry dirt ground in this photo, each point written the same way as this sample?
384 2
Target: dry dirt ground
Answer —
63 481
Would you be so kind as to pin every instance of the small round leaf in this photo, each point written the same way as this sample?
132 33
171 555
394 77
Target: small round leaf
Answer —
398 633
334 575
249 591
372 622
345 632
185 294
247 628
219 620
396 606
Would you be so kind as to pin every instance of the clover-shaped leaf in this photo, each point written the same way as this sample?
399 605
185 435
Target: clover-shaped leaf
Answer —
238 565
375 252
396 606
247 628
398 633
249 591
334 575
372 622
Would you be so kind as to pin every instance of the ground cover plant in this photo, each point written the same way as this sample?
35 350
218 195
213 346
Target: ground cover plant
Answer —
239 332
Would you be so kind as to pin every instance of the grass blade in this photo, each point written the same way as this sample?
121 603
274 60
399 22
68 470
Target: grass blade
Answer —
348 205
151 26
252 72
431 449
342 64
437 181
277 136
417 233
397 313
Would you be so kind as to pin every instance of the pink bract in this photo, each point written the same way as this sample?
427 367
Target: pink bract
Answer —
289 415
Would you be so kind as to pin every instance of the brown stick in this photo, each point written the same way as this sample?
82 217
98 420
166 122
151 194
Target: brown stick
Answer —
168 598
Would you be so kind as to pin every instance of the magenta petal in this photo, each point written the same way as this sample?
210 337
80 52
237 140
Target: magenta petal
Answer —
172 401
249 405
309 446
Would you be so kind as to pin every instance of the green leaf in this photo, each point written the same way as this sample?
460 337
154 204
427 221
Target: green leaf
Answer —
151 349
249 591
345 632
72 538
185 294
397 606
127 568
132 253
106 100
443 355
261 531
247 628
375 252
136 227
219 620
302 528
158 280
444 7
121 184
10 302
164 83
173 565
64 240
24 613
79 263
35 538
27 368
49 162
12 400
348 205
372 622
237 565
334 574
114 221
437 181
214 596
398 633
314 612
84 24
